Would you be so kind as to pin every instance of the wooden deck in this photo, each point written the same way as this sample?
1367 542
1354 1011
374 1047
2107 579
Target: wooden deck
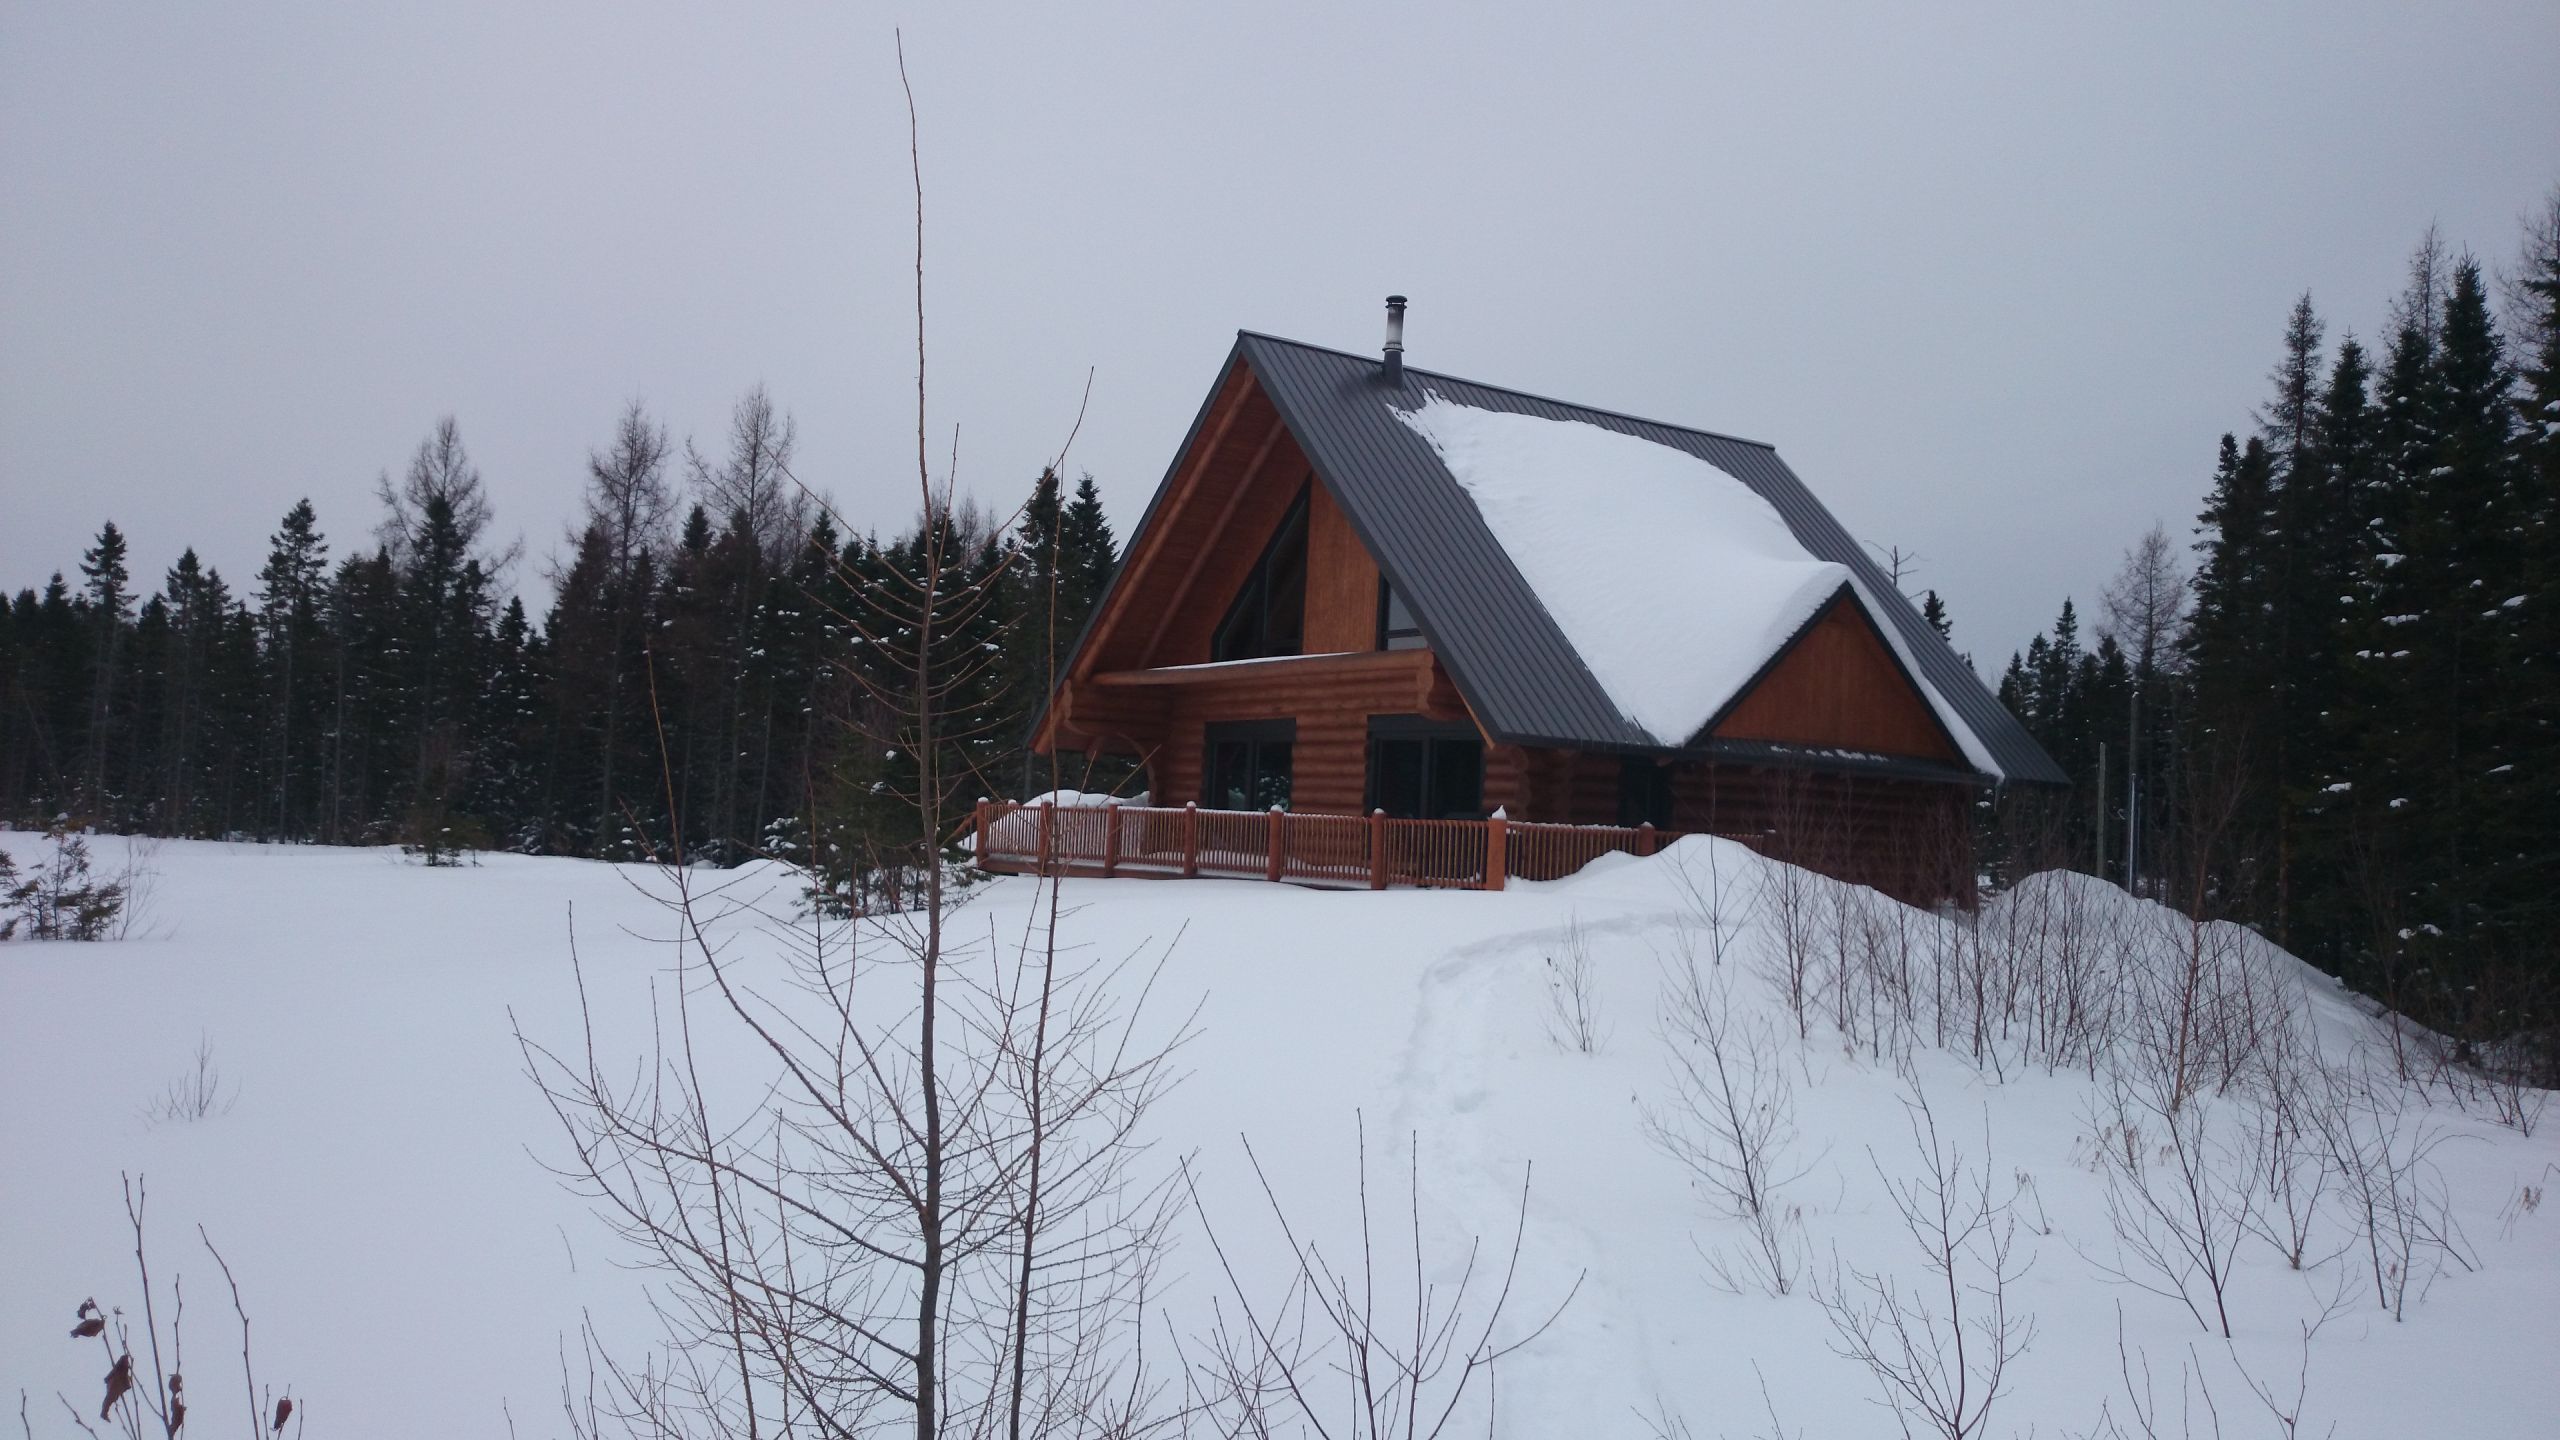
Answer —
1369 852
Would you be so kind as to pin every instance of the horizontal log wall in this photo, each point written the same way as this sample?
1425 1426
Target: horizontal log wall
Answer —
1911 839
1331 702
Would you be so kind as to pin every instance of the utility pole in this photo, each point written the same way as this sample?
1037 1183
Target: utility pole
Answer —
2133 784
2098 812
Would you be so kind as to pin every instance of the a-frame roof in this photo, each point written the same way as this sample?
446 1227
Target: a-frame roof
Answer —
1523 678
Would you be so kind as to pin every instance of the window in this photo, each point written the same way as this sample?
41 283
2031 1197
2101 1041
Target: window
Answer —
1644 793
1245 765
1269 616
1397 629
1422 770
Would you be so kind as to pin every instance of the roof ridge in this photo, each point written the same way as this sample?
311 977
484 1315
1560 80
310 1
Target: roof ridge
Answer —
1510 390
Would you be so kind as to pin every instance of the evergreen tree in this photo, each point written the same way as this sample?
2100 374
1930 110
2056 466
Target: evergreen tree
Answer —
1090 554
509 726
109 598
195 602
2530 795
292 587
2231 653
367 696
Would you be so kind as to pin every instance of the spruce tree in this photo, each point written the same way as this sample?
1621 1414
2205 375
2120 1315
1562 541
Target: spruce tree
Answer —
2530 794
291 590
1090 554
2230 655
109 597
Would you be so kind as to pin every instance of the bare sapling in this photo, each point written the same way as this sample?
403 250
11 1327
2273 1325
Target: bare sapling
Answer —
1789 903
199 1094
1715 907
2292 1088
1729 1120
144 1392
2193 1412
2149 1415
1939 1348
1367 1347
1574 1020
2382 1144
925 1212
2183 1181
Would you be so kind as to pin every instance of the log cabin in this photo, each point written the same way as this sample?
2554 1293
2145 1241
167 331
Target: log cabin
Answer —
1366 589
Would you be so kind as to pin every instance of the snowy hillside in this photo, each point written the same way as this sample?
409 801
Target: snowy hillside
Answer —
375 1169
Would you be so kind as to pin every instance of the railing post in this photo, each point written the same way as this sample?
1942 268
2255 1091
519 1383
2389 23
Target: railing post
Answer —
1377 849
1496 836
1110 837
1272 872
983 805
1048 813
1645 838
1190 839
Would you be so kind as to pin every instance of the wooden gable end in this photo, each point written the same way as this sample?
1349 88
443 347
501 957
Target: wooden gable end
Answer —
1226 498
1223 500
1838 684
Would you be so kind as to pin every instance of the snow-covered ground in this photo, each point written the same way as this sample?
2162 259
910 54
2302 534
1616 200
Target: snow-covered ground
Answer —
377 1176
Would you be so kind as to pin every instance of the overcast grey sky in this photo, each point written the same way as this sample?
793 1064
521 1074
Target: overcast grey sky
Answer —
1993 279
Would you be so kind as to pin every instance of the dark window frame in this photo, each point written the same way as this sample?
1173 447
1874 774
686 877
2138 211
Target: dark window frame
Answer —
1259 749
1392 636
1271 634
1443 786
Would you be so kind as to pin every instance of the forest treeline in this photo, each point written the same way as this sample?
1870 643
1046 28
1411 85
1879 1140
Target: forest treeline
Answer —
692 680
2330 710
2335 714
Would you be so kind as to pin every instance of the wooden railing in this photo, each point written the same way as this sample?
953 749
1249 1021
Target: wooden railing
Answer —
1340 850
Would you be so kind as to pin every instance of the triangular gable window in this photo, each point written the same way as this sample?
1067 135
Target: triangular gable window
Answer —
1269 616
1397 629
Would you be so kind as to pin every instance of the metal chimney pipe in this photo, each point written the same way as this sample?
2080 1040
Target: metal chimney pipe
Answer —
1394 368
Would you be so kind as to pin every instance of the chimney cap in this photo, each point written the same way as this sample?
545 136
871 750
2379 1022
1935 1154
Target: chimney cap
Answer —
1395 300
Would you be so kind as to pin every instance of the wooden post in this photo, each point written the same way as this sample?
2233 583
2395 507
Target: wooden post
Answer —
1645 838
1190 839
1496 836
1110 837
1048 810
984 804
1377 849
1272 872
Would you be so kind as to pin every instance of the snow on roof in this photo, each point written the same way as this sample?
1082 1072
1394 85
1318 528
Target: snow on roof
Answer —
1674 580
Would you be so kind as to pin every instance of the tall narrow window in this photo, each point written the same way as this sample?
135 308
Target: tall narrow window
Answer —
1269 616
1397 629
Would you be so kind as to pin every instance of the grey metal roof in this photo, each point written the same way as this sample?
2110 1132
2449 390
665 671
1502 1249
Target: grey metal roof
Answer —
1524 680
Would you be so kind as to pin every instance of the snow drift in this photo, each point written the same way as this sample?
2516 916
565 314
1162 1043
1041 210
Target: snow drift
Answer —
379 1180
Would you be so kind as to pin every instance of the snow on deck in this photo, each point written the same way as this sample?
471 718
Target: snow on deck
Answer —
1674 580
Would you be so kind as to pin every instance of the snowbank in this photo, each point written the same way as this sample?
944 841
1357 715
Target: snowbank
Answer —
379 1178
